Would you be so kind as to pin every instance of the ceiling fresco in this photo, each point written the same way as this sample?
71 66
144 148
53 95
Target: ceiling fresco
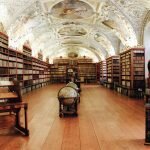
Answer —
71 9
98 27
72 31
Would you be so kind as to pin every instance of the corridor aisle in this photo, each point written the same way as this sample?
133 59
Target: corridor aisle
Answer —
106 121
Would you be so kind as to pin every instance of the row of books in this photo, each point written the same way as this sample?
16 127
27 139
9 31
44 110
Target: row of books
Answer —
4 71
3 56
138 58
139 73
125 77
126 83
27 77
4 45
39 65
4 63
58 75
37 68
138 65
138 69
138 62
139 78
4 40
30 77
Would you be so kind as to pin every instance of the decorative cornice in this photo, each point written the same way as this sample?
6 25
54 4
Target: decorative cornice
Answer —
134 47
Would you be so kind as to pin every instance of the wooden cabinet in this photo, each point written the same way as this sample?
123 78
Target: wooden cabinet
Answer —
132 71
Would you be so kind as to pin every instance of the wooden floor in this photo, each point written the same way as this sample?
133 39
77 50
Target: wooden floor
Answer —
106 121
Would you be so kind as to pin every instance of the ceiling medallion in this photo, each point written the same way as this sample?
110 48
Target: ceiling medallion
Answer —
72 9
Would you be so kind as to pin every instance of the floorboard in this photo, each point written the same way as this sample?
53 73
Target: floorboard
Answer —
106 121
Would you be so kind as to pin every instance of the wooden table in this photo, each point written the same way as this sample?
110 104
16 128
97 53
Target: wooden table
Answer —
11 101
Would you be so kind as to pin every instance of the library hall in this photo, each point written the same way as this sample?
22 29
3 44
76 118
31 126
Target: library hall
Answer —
74 74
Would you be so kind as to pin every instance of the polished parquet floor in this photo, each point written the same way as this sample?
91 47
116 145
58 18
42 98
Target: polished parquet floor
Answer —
106 121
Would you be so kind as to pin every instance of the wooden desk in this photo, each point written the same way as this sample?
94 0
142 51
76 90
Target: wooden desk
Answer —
11 101
8 95
6 83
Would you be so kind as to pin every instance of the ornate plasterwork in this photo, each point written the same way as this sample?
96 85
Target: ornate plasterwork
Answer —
81 51
2 29
134 11
34 20
119 24
105 43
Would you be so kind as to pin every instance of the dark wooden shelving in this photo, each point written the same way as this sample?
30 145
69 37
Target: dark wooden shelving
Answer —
103 72
113 71
14 64
132 76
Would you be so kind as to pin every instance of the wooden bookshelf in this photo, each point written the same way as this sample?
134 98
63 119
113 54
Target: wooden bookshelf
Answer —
58 73
27 50
41 73
3 40
84 60
30 72
103 72
87 72
113 71
4 57
98 71
61 61
132 71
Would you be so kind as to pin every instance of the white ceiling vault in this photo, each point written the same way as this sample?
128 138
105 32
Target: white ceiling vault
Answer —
93 28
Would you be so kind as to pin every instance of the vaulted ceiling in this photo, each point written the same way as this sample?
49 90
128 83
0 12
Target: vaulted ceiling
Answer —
95 28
